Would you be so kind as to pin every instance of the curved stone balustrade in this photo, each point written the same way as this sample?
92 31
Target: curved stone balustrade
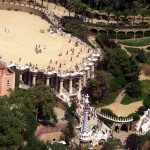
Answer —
115 119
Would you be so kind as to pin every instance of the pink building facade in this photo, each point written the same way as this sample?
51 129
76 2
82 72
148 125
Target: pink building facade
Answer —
7 79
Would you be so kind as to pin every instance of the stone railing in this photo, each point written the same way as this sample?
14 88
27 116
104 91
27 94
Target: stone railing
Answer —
114 119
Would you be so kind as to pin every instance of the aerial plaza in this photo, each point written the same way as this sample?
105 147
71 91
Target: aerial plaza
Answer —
45 52
82 71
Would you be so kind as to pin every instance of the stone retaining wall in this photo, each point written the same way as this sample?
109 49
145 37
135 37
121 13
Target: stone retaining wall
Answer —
24 9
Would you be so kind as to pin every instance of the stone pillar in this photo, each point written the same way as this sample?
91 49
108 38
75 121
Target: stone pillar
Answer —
47 80
21 78
56 83
79 84
88 74
34 78
84 79
29 78
65 84
52 82
92 71
70 85
61 86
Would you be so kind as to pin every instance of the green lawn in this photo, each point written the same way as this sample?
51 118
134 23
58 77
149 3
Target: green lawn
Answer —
145 89
132 51
136 42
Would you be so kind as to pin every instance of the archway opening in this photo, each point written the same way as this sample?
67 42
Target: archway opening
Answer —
124 127
103 32
93 31
139 34
104 17
117 129
147 33
130 35
121 35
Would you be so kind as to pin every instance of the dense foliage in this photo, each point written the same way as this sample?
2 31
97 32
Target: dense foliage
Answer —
18 121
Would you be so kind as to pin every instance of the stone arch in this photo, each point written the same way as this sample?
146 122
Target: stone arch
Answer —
124 127
103 32
112 34
117 129
121 35
104 17
101 142
94 31
130 35
147 33
139 34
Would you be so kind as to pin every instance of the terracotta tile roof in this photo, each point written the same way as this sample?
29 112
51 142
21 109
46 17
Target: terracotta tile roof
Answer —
2 66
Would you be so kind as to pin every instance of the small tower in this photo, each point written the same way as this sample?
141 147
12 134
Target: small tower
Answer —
85 135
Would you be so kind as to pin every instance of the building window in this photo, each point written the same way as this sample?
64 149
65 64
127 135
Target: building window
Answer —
8 82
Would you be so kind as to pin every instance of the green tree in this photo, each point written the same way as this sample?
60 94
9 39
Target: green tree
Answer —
146 102
136 6
34 143
68 132
20 98
126 13
73 6
97 88
44 100
112 144
134 89
11 130
117 15
142 56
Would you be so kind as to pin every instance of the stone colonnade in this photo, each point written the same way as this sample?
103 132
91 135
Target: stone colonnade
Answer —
70 82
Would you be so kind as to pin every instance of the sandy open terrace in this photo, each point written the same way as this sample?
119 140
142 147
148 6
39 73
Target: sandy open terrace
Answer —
23 34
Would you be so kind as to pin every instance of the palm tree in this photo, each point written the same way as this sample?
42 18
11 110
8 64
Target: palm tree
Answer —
144 14
108 10
136 5
99 2
117 15
126 13
73 6
116 4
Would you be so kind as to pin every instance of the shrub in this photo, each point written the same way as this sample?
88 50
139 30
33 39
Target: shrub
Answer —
135 116
142 56
133 51
108 112
134 89
121 81
148 48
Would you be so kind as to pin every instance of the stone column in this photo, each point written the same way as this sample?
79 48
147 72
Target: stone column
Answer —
84 79
52 82
34 78
70 85
21 78
92 71
29 79
79 84
88 74
47 80
56 83
61 85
